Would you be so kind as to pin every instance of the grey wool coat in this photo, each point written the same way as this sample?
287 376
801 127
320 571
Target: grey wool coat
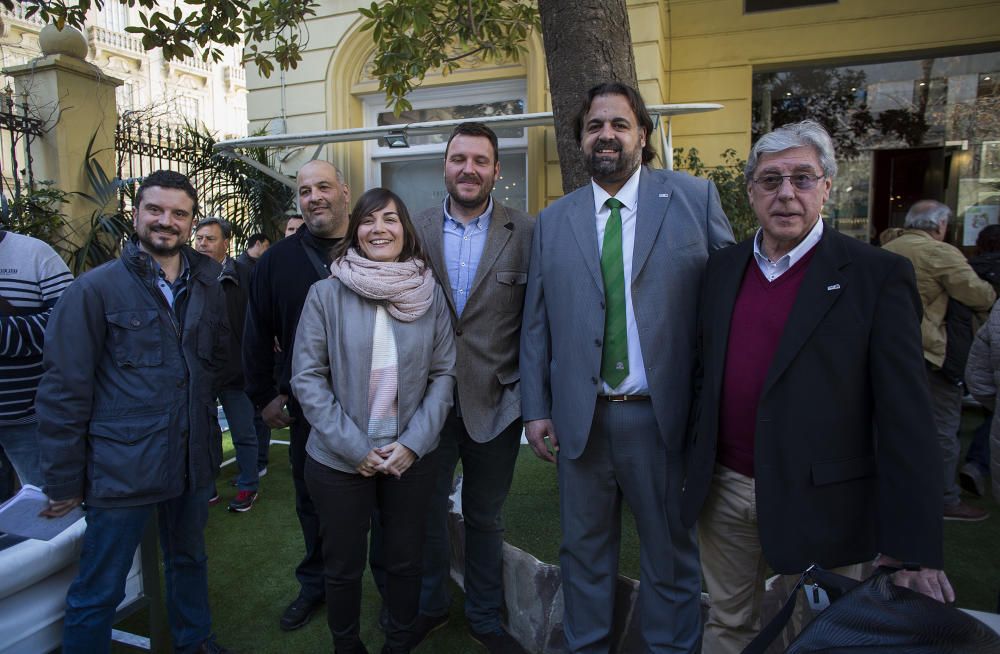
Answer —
331 367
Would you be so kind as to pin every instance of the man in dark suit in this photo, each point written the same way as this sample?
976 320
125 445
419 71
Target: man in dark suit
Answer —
479 251
607 358
814 441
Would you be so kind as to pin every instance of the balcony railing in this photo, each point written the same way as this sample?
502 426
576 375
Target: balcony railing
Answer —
103 37
18 13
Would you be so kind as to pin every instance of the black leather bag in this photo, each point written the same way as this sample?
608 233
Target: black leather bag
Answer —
875 615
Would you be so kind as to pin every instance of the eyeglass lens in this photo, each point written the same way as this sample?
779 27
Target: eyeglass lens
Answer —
801 181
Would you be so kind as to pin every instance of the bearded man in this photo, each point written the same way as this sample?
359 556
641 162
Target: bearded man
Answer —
607 358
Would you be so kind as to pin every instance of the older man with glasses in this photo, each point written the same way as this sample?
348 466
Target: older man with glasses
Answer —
810 347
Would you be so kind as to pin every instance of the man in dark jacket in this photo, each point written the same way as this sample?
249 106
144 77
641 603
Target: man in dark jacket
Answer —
278 290
133 351
211 238
257 245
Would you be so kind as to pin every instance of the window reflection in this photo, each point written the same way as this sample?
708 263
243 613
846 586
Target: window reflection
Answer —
904 130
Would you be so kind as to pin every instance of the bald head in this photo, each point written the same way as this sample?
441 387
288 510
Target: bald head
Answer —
323 199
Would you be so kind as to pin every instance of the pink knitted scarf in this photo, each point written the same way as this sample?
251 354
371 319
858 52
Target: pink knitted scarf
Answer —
407 286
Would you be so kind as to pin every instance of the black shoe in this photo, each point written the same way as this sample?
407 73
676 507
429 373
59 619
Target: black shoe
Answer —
425 625
212 647
498 642
298 613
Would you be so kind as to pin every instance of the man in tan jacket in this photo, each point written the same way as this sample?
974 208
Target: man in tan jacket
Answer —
942 272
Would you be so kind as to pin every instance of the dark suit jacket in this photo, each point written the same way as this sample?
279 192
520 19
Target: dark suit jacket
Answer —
845 455
679 221
487 335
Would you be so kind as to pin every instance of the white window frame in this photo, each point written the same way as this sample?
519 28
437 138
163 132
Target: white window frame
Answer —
446 96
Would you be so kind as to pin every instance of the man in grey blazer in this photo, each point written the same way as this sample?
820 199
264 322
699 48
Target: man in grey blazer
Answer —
479 251
606 369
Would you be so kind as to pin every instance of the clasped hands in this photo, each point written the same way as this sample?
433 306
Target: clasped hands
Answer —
393 459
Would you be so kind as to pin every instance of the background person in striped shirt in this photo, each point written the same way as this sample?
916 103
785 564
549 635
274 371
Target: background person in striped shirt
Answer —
32 277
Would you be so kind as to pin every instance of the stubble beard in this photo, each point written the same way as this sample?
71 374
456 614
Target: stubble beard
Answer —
469 203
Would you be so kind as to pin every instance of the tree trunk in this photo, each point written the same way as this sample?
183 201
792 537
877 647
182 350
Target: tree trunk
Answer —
587 42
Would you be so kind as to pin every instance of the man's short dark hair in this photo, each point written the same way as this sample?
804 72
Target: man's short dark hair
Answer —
254 239
989 239
224 226
167 179
475 129
634 100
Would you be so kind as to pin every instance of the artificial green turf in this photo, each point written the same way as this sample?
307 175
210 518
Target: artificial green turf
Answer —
252 557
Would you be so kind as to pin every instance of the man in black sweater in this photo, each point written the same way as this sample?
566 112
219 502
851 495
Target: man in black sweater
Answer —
281 279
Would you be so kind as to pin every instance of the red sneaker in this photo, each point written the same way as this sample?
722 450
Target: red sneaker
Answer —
243 501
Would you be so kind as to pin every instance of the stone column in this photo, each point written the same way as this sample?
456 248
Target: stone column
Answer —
76 101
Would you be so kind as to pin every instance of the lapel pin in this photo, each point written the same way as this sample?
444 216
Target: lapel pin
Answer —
833 287
664 195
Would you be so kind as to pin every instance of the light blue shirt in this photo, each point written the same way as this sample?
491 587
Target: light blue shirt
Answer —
775 269
463 247
179 285
628 195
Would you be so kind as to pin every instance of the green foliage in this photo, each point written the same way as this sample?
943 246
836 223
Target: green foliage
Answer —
728 178
249 199
108 227
36 211
201 24
413 37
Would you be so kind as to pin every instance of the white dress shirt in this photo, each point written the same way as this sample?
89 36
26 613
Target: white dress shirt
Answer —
628 195
775 269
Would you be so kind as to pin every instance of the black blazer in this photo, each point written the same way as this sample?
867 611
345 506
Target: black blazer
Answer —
845 454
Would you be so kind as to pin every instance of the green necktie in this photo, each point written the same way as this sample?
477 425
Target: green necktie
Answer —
614 359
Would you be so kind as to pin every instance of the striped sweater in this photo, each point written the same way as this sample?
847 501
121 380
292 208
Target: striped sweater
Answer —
32 277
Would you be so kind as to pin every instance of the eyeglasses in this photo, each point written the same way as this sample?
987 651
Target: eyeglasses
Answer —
801 181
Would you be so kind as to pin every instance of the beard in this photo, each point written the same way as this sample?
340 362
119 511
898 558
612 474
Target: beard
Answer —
468 202
612 169
147 240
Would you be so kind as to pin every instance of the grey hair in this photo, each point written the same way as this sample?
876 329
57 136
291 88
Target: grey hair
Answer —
808 133
928 215
224 226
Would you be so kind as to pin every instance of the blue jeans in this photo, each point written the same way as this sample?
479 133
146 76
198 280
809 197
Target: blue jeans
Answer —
239 414
487 472
20 444
106 556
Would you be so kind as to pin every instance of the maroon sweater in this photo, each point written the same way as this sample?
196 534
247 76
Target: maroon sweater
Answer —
759 316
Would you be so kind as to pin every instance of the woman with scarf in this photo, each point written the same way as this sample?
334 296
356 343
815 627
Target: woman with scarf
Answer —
373 370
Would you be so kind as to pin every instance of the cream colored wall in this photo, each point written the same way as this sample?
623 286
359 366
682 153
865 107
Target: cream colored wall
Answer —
685 50
715 47
325 91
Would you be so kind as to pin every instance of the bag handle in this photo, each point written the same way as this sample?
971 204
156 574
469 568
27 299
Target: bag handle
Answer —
322 270
770 631
835 586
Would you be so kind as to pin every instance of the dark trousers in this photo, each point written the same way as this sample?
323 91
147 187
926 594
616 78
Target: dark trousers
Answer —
487 472
346 504
263 440
979 448
310 571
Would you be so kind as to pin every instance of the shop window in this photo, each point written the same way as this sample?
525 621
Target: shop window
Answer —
925 127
